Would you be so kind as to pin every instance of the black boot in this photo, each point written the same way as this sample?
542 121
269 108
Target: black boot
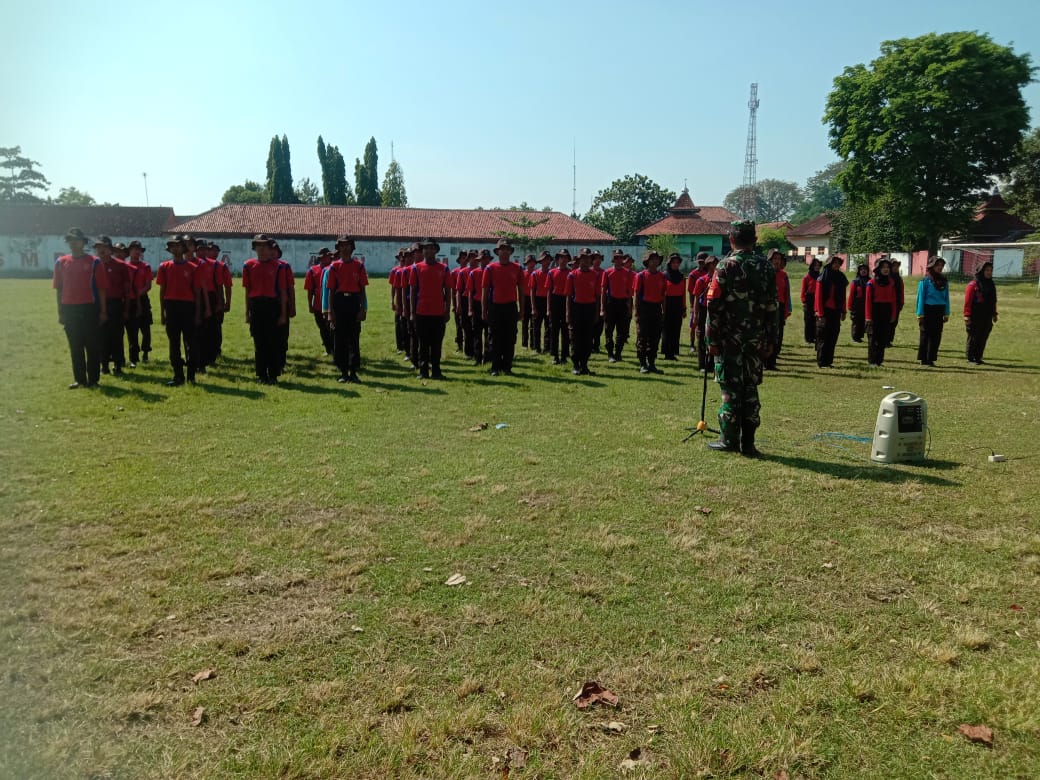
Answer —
747 442
722 446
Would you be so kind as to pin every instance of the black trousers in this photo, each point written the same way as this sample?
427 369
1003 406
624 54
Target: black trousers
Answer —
978 332
467 330
430 330
879 333
827 337
597 331
180 330
112 335
209 332
617 322
648 332
325 331
931 333
540 304
83 331
263 327
858 316
582 333
702 347
559 337
218 328
478 340
459 341
347 348
672 326
770 362
525 325
809 318
139 329
502 321
412 348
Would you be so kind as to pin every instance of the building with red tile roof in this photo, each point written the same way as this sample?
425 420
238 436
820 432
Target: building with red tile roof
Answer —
993 224
696 228
812 238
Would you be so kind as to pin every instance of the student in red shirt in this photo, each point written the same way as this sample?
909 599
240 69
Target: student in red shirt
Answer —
559 335
980 312
139 320
502 300
453 282
879 309
783 305
583 305
699 296
177 307
266 307
674 307
691 282
312 286
616 304
206 284
650 293
474 291
82 308
119 294
525 326
830 310
429 289
288 281
597 329
347 282
539 303
857 300
462 302
222 302
809 299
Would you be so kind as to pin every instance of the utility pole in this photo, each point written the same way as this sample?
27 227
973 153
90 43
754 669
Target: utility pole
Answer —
145 177
574 178
751 158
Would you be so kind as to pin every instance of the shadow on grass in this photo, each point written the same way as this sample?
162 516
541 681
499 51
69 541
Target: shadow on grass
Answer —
300 387
866 470
114 391
240 392
403 387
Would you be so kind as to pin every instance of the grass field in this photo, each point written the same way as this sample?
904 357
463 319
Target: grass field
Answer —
810 614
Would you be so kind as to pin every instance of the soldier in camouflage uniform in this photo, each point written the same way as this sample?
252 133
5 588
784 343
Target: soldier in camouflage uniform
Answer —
740 332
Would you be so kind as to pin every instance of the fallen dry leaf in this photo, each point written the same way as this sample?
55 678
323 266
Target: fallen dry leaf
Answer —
780 774
516 758
704 510
478 428
205 674
199 716
456 579
615 726
980 734
1016 607
357 629
635 760
594 693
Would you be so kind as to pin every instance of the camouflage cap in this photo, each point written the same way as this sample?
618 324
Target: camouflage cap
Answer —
742 225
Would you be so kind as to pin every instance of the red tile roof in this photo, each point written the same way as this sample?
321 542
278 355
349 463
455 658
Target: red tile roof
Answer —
383 224
686 219
993 223
817 226
45 219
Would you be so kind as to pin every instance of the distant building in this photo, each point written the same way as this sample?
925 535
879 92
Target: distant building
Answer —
32 235
696 229
812 239
992 224
379 232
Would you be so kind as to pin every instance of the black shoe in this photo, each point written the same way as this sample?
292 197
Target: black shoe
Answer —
117 371
353 378
424 374
437 375
144 359
104 369
342 380
74 386
721 446
492 372
655 370
576 371
175 383
612 359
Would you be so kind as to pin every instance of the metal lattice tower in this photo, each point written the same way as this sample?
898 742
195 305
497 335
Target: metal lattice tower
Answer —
751 157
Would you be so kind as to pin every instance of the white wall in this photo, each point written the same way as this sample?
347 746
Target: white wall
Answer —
49 248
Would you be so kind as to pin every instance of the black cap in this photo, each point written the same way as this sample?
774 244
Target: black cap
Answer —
103 241
429 242
261 238
503 243
344 239
135 244
76 234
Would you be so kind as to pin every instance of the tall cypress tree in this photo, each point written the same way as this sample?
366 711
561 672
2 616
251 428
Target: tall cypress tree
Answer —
279 187
288 194
323 161
366 176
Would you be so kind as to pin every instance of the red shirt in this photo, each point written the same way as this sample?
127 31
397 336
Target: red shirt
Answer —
808 287
429 280
142 275
583 286
177 280
223 274
674 289
206 275
261 278
502 280
78 280
475 281
529 281
347 276
119 284
877 293
312 283
832 301
691 281
618 282
650 286
541 283
558 281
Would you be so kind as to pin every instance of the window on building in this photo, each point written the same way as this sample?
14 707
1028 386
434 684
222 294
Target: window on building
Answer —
706 249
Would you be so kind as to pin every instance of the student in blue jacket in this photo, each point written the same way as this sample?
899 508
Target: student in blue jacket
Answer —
933 309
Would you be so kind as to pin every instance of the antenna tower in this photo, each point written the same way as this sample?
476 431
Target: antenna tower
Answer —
751 157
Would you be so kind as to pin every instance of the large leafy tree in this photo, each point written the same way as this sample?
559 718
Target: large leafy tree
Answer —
869 226
928 123
393 193
307 192
249 192
628 205
1023 189
523 234
73 196
775 200
822 194
366 176
19 180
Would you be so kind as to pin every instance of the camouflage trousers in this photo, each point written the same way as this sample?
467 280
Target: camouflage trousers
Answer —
739 376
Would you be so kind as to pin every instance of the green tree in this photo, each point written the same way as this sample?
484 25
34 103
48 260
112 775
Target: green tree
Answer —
336 191
773 238
279 172
306 192
19 181
394 193
366 176
822 194
628 205
250 192
869 226
71 196
775 200
522 235
663 243
928 123
1022 191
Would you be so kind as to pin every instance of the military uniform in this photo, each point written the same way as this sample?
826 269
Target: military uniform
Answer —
741 329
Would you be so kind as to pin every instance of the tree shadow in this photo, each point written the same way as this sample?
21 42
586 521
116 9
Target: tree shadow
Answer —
866 470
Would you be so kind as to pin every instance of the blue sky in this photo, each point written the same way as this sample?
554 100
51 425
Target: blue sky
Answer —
482 101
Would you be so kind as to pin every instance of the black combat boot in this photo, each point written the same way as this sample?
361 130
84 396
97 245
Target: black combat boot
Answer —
722 446
747 442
